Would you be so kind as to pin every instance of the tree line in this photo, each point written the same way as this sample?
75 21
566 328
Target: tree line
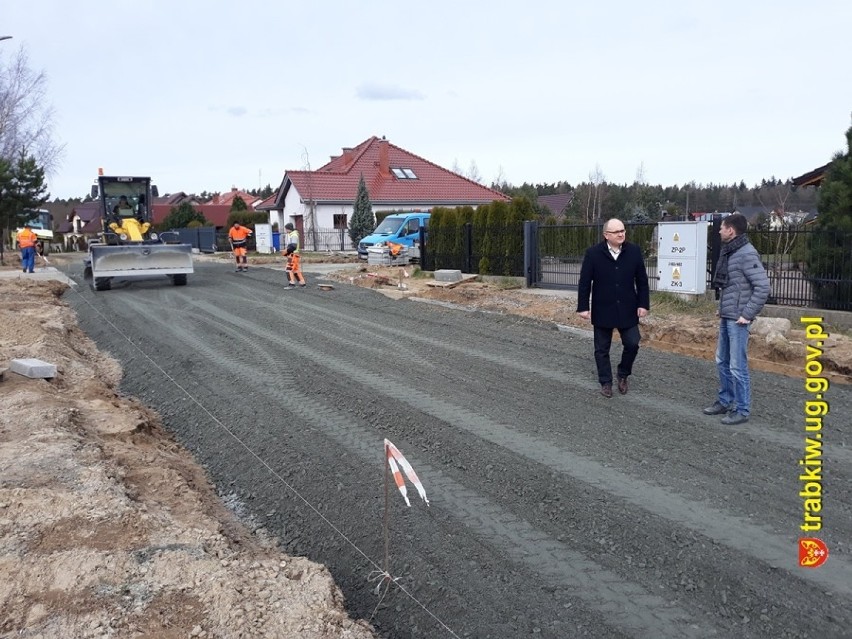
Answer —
598 200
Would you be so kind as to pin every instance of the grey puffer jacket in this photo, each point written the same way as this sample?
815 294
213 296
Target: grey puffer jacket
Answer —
747 288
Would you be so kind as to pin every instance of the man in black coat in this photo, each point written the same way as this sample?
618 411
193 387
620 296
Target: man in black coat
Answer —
614 275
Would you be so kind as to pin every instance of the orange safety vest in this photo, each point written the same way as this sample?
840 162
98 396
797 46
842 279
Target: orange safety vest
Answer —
26 239
239 235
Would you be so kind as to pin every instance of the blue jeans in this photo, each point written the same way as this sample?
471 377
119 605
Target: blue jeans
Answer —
28 259
732 362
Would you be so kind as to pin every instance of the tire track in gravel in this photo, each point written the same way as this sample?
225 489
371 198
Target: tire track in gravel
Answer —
624 604
735 532
296 306
677 410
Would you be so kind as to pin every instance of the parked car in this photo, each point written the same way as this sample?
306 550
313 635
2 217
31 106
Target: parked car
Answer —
398 228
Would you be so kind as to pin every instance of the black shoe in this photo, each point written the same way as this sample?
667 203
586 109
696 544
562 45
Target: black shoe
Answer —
291 285
718 408
302 285
606 390
732 419
622 385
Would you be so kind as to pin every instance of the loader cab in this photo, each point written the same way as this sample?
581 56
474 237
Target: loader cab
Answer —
124 197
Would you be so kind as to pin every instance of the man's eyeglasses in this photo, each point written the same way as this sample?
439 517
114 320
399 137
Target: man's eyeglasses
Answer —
619 232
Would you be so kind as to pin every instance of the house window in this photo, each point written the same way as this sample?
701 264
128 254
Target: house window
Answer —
340 220
404 174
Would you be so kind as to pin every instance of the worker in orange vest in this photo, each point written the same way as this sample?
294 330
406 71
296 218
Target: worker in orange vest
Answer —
26 242
238 235
294 258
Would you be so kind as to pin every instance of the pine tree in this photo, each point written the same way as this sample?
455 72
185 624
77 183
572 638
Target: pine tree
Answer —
362 222
830 266
180 217
238 204
22 188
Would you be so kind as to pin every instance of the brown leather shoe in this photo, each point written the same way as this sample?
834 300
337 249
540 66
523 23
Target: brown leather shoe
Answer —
606 390
622 385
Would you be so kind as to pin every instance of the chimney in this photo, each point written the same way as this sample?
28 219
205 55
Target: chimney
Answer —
347 155
384 163
334 157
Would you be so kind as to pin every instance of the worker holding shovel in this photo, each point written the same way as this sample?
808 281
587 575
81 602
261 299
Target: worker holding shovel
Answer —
238 236
39 249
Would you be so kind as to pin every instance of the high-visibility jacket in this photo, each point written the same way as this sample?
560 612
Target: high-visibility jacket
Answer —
26 238
239 234
291 246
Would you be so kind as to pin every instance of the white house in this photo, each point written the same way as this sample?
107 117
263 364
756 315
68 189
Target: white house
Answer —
324 200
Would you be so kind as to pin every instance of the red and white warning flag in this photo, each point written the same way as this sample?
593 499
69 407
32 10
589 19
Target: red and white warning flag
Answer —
394 456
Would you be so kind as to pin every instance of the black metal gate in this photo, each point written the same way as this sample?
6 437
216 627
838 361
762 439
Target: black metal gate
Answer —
553 255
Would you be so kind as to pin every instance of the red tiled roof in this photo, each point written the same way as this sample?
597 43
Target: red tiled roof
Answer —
337 181
556 203
267 204
228 198
216 214
173 199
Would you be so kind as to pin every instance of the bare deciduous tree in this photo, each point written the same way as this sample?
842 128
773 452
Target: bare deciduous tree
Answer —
597 179
473 172
26 117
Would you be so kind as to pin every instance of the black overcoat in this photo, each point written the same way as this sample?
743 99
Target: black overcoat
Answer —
617 287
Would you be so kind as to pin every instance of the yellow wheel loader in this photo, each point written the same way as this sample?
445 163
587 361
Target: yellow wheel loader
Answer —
127 247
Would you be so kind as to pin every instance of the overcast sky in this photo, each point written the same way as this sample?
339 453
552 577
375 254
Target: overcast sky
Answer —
210 95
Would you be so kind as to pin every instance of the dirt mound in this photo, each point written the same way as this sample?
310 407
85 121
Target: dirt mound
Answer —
107 527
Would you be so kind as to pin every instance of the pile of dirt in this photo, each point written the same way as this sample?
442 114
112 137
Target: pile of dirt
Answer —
108 528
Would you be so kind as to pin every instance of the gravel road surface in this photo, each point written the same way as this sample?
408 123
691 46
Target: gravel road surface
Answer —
554 512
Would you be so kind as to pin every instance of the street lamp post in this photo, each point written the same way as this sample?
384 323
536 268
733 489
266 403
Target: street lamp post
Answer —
5 37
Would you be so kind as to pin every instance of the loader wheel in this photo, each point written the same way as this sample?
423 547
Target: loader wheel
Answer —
179 279
102 283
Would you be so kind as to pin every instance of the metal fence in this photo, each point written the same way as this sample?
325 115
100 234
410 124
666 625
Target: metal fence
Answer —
807 266
327 240
316 240
483 249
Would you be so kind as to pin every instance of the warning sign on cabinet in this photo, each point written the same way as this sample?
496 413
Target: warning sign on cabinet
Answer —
682 257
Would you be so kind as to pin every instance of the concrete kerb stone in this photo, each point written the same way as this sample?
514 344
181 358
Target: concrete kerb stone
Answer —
33 368
447 275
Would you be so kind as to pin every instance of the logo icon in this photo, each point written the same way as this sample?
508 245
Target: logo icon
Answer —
812 552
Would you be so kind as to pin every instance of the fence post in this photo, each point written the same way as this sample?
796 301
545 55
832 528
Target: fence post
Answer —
715 248
531 264
424 258
468 248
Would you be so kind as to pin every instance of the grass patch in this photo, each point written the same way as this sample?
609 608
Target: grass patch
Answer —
507 283
421 274
665 303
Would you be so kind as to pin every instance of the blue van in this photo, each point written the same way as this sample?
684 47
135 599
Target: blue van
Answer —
400 228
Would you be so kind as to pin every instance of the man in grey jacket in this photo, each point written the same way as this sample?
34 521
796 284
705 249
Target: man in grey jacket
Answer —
743 290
